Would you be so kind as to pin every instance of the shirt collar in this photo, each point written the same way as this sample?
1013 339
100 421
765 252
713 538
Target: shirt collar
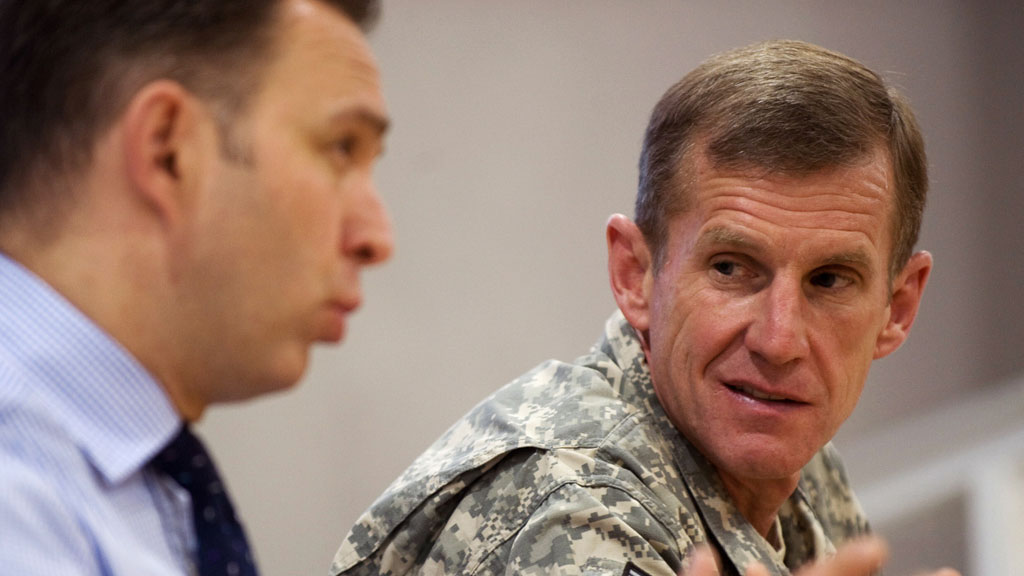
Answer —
115 411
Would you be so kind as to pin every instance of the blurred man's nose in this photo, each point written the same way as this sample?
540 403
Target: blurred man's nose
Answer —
367 236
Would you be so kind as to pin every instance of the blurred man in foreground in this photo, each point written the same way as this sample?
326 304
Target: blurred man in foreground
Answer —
770 262
186 204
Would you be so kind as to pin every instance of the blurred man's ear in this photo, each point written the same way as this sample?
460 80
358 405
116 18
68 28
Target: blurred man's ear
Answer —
161 132
906 297
630 271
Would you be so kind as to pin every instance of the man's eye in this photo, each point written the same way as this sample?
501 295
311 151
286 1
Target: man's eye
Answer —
725 267
826 280
830 280
347 146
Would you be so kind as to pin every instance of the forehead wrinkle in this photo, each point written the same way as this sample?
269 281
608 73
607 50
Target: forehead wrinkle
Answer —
848 201
853 216
871 185
851 203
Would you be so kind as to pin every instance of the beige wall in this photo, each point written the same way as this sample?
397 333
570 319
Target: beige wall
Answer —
516 131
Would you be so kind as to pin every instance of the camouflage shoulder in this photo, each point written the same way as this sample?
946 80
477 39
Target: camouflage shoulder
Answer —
594 530
826 487
556 512
555 405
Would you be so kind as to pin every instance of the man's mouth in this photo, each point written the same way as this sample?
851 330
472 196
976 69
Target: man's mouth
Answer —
757 394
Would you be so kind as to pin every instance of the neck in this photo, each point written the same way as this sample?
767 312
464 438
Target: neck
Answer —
108 265
759 501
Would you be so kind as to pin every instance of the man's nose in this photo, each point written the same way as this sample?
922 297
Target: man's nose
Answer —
367 234
778 332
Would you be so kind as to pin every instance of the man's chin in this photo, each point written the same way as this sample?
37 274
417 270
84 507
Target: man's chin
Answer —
286 373
762 460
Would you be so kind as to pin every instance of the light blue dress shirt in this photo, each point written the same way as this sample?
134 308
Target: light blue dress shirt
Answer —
79 420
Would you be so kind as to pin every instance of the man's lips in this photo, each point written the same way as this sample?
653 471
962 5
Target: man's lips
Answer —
343 308
346 304
762 393
338 311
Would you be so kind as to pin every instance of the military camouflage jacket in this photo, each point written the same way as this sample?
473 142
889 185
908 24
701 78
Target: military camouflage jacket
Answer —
576 469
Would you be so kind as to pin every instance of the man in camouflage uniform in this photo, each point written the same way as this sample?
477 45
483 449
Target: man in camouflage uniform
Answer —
780 197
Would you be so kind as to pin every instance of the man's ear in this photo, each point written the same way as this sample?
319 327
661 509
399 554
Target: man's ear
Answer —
160 131
906 297
630 270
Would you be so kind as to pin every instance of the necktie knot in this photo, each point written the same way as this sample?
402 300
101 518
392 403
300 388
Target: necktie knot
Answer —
223 548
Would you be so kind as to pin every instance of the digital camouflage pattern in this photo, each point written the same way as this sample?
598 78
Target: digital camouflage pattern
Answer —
576 469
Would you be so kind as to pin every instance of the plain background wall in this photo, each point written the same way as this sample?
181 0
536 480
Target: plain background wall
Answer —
517 127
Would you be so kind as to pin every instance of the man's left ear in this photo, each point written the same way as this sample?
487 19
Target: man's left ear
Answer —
161 130
906 297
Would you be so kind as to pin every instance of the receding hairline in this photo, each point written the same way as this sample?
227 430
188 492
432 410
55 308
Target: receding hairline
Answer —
793 107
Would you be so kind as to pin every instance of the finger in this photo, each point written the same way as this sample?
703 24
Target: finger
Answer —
943 572
702 563
757 570
858 558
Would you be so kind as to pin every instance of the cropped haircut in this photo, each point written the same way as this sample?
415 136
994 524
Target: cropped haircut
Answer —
69 67
784 107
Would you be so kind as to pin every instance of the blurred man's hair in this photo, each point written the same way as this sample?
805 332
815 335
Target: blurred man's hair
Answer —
69 67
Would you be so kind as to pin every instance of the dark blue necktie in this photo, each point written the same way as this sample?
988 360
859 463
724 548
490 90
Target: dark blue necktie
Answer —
223 549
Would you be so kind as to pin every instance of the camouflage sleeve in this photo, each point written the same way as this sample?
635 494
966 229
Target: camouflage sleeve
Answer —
581 530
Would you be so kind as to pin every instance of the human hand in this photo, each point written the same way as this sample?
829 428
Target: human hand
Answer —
862 557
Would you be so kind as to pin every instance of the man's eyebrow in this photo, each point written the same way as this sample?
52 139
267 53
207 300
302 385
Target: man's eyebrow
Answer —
856 258
364 115
723 236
